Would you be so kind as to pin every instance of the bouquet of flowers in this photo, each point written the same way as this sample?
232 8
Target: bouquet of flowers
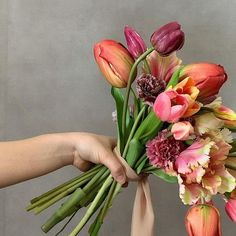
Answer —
170 123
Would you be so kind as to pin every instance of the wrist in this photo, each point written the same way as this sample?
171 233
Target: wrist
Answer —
65 147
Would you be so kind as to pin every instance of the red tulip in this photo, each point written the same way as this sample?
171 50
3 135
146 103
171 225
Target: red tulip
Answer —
230 208
114 61
208 79
168 38
203 220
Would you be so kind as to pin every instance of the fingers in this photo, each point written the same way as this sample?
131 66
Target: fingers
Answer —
117 170
82 165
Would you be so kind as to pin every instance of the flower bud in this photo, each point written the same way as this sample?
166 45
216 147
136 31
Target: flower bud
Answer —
114 61
230 208
168 38
208 78
203 220
135 43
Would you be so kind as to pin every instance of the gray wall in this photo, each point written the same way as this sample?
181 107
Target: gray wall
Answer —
49 82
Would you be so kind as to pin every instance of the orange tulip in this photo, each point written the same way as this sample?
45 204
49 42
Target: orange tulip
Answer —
203 220
208 78
114 61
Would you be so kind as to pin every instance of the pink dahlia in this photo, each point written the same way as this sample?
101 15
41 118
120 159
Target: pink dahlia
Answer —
164 149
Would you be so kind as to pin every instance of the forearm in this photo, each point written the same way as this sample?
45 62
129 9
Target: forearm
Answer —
29 158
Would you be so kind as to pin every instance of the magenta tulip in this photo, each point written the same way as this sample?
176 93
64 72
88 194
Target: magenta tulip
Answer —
168 38
135 43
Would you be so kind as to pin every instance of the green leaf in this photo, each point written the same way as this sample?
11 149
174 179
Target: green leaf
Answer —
149 128
174 78
161 174
135 150
140 167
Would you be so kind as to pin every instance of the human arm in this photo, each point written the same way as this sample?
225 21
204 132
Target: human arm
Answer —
29 158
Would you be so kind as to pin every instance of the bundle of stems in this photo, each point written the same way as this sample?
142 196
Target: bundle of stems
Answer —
96 188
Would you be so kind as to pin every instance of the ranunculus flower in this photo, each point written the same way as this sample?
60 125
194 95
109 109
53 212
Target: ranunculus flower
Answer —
135 43
114 61
203 220
230 208
208 78
182 130
168 38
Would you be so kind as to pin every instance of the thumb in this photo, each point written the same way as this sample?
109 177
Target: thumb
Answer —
117 170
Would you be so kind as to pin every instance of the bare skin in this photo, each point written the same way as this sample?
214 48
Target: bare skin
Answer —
29 158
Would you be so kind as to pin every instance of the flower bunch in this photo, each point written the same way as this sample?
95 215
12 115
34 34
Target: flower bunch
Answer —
174 127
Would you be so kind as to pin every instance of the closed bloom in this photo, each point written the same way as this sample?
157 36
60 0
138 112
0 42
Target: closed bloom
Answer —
208 78
182 130
230 208
114 61
203 220
149 87
135 43
168 38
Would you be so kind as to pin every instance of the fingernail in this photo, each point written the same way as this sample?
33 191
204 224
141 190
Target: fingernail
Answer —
121 179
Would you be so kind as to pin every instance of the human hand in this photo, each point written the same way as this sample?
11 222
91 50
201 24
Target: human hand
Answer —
92 148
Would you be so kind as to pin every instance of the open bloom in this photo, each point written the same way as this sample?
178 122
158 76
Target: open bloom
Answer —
208 78
135 43
149 87
163 150
230 208
203 220
163 67
168 38
178 102
114 61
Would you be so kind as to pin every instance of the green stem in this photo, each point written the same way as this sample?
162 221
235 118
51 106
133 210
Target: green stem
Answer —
147 68
55 196
66 185
132 132
131 79
92 207
140 160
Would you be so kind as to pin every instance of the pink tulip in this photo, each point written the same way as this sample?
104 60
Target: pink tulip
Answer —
208 78
203 220
178 102
114 61
230 208
182 130
135 43
170 106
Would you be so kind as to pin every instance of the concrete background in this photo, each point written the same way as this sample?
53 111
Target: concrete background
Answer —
49 82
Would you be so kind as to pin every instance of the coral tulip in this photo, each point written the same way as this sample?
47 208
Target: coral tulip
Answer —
203 220
208 78
114 61
168 38
135 43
